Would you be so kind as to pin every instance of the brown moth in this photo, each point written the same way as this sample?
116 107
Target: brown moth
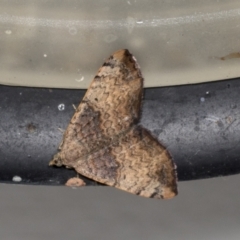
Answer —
103 141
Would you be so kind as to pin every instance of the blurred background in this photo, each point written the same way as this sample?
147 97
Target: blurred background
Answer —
63 43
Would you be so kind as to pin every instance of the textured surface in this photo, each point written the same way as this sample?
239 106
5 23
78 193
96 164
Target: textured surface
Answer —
103 142
199 125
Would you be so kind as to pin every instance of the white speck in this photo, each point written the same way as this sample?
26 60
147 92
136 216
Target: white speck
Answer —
79 79
8 32
16 179
207 92
110 38
20 93
129 2
126 118
61 107
45 55
212 118
140 21
72 30
202 99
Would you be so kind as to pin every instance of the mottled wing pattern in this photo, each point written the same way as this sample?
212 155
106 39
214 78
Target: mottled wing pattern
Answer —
136 163
110 106
104 143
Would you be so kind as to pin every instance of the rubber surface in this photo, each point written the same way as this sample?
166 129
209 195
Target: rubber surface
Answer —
199 124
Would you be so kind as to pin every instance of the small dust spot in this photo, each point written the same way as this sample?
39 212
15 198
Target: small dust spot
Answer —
207 94
20 93
74 107
45 55
110 38
129 2
79 79
61 107
31 127
72 30
229 119
61 130
212 118
8 32
139 21
202 99
16 179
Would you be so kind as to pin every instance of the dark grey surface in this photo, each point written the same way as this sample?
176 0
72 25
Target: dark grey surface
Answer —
205 209
199 124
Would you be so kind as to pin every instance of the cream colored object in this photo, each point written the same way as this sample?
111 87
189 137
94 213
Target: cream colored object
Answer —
62 43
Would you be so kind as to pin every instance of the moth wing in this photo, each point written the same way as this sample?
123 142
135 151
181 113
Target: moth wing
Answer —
137 163
110 107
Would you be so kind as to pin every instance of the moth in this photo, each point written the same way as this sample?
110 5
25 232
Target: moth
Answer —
104 140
